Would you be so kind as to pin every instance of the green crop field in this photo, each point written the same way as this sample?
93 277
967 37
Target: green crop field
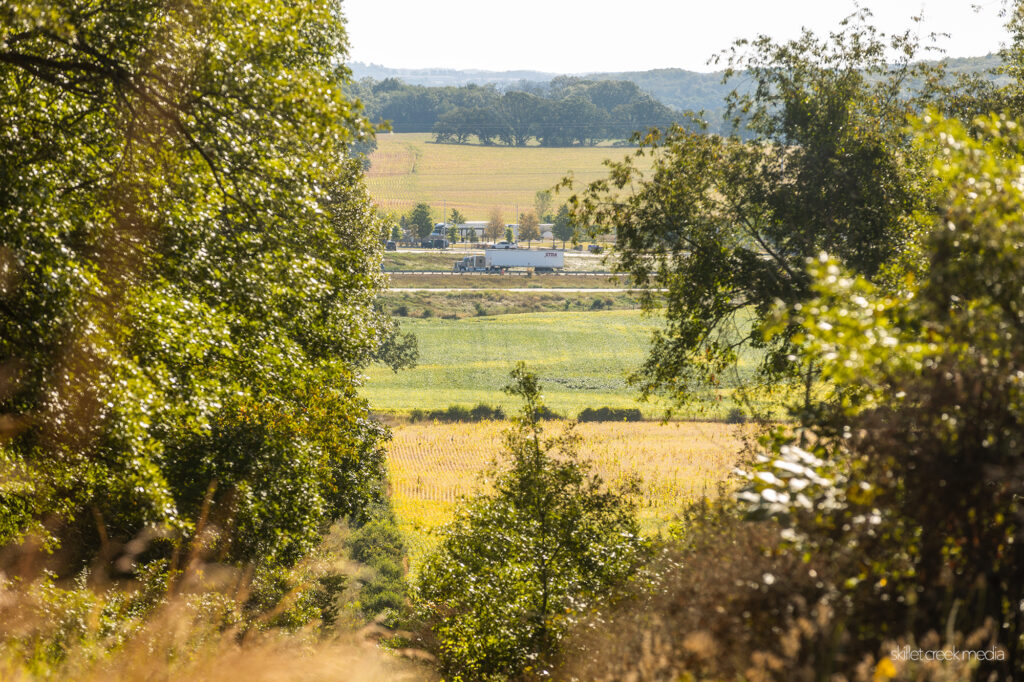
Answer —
582 359
408 168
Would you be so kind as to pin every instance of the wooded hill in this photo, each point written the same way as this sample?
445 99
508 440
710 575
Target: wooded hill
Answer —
562 110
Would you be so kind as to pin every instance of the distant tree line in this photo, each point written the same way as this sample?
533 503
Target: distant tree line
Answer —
567 111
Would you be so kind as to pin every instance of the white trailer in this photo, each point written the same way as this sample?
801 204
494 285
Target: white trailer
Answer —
496 260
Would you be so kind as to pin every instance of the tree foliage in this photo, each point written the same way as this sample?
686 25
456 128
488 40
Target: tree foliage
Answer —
725 225
518 567
495 228
420 221
189 265
923 437
542 203
529 227
563 227
571 111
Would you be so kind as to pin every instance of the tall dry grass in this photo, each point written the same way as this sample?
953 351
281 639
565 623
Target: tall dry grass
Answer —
196 623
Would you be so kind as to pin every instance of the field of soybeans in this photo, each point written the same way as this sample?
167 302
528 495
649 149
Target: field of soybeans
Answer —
432 465
408 168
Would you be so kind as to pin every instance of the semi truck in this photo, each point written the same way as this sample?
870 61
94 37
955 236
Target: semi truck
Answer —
496 260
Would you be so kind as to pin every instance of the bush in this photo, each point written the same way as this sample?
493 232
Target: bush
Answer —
458 413
378 544
610 414
518 567
736 415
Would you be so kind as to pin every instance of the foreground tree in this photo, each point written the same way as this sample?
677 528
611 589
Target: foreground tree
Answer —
517 567
900 524
189 266
726 225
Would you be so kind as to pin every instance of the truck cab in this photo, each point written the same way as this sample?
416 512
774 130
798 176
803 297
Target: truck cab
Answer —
471 264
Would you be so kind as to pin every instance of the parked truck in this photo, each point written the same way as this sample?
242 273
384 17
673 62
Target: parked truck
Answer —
496 260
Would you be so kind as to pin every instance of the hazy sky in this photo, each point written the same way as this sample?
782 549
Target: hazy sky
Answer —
573 36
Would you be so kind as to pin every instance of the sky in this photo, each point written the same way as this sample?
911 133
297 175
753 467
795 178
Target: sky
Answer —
578 36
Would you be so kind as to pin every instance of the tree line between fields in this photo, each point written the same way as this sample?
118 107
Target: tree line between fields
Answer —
567 111
189 280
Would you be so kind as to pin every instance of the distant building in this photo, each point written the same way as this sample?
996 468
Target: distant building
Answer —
477 226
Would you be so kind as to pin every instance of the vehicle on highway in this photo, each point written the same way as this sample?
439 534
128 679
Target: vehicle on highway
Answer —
495 260
434 243
503 245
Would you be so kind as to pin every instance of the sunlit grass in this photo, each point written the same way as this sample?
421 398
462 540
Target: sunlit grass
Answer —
432 465
582 359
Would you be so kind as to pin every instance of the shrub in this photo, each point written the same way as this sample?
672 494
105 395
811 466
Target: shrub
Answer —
518 567
458 413
610 414
378 544
736 415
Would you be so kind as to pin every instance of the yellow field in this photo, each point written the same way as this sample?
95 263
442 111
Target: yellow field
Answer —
408 168
432 465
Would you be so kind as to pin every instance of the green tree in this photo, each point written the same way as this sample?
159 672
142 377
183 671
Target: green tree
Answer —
420 221
926 419
396 233
453 234
542 202
185 257
726 225
518 567
563 227
457 218
529 227
510 235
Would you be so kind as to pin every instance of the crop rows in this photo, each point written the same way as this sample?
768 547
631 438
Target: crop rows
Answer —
406 169
675 462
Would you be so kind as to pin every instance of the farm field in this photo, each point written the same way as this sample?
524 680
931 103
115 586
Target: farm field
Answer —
582 359
469 303
432 465
407 168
